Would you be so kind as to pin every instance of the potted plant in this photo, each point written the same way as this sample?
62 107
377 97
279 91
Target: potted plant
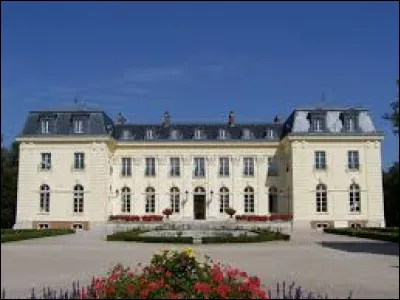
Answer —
230 211
167 212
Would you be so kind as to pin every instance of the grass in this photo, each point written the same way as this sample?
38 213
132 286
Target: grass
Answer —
381 234
134 236
10 235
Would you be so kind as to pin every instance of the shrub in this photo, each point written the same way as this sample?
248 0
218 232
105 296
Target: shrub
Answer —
230 211
388 236
264 235
135 236
10 235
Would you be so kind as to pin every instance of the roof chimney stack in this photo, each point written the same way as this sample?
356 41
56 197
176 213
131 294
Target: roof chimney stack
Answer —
121 119
231 119
276 120
166 119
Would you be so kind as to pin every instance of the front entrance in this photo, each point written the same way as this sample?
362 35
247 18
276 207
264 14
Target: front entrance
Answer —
199 203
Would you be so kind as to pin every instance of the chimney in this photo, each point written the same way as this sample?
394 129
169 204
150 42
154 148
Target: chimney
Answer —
276 120
166 119
121 119
231 119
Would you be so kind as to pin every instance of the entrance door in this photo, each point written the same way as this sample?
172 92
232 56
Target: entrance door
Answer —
199 204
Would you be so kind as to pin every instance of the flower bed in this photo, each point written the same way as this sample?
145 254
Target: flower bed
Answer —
135 218
264 218
10 235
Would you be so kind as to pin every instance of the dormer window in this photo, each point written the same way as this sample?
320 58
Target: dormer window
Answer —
174 134
45 125
270 134
78 126
126 134
349 125
222 134
246 134
149 134
198 134
318 124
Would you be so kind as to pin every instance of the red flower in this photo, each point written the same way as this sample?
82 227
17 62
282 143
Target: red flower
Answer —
202 288
223 290
130 288
168 274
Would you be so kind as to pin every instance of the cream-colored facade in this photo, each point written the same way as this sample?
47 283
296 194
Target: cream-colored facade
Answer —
104 187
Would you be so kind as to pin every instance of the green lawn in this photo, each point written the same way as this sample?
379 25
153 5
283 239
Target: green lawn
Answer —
382 234
10 235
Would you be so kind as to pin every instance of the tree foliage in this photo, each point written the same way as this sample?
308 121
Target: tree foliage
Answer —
9 179
393 116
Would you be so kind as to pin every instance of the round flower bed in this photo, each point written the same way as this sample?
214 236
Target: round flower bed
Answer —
176 275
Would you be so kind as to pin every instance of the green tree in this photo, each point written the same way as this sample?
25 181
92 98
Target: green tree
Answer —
391 195
393 116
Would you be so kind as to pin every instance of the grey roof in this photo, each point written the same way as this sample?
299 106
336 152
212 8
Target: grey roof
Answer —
186 131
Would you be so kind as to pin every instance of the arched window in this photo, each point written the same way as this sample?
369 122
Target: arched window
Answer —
248 200
78 198
223 199
126 200
150 200
273 199
175 199
44 198
355 198
321 198
199 191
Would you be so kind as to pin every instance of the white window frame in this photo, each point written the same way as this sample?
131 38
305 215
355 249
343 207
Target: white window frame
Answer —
353 160
45 163
198 134
78 126
126 200
174 167
150 167
126 134
175 200
224 166
317 125
321 199
149 134
270 134
126 170
44 203
150 195
223 199
272 167
79 199
79 160
355 198
320 160
222 134
249 200
45 124
248 166
246 134
174 134
199 168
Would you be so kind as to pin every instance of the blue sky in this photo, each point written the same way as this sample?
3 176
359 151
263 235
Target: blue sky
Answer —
199 60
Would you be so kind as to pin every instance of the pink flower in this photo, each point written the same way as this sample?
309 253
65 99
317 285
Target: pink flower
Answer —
168 274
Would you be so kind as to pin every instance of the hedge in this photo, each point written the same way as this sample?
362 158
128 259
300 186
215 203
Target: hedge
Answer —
263 236
134 236
10 235
366 233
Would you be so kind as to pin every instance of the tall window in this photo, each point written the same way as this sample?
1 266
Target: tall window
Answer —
320 160
248 166
126 166
248 200
199 167
78 198
46 161
79 160
44 198
175 199
321 198
222 134
224 166
318 124
174 166
126 200
150 200
353 161
149 134
45 125
223 199
198 134
273 199
355 199
270 134
78 126
272 166
150 166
